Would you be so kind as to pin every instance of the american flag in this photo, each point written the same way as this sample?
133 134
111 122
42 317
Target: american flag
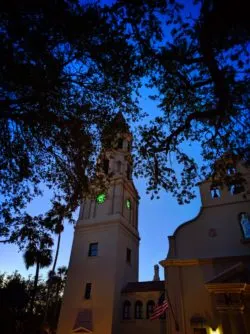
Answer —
160 308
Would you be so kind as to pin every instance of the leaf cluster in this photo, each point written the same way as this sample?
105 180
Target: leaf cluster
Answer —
67 67
201 79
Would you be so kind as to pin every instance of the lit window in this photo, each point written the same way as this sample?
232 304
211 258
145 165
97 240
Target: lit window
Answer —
100 198
138 310
150 308
93 249
215 192
245 224
128 255
231 169
88 291
126 310
236 188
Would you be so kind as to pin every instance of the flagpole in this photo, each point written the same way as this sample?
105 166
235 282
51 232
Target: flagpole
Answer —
177 328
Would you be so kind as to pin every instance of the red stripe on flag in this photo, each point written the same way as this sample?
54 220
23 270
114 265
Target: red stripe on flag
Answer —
159 310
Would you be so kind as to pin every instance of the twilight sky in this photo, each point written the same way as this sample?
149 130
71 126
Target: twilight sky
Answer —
157 218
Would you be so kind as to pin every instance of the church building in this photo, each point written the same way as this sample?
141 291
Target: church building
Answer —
102 293
207 269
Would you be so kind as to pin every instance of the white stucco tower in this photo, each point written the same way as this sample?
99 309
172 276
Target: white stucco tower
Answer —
104 255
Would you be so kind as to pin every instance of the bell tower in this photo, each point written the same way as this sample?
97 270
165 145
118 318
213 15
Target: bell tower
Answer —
104 256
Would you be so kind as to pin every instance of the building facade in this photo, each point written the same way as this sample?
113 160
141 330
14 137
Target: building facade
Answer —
99 297
207 268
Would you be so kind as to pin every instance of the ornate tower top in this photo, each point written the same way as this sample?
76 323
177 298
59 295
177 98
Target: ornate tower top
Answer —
156 273
115 158
114 164
115 133
118 124
105 252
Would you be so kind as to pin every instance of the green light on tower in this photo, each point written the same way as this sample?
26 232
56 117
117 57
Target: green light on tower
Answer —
100 198
128 204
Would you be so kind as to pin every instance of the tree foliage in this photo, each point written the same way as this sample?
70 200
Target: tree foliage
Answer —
16 295
201 75
69 66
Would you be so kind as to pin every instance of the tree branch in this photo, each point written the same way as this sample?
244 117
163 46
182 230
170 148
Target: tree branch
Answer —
196 115
202 83
5 241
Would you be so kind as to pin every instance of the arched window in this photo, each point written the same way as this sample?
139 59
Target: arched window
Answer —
245 224
236 188
120 143
126 309
106 166
231 170
215 192
138 309
128 172
118 166
150 308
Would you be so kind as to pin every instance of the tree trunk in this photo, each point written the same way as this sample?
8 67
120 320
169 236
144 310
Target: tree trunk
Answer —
57 304
49 283
57 252
34 287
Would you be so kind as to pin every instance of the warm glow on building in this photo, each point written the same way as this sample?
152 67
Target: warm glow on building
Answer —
215 331
206 268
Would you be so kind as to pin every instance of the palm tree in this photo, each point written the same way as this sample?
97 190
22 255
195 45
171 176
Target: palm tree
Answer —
62 275
58 229
57 283
41 257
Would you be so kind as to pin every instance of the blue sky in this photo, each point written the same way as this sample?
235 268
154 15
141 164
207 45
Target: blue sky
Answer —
157 219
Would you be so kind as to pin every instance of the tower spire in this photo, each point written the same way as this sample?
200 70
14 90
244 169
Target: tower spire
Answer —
105 250
156 273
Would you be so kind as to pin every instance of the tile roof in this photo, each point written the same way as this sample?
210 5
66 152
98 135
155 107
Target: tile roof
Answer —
144 286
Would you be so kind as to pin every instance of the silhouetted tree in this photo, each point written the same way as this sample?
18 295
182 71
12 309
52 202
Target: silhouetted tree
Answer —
69 66
58 229
200 77
57 283
41 257
66 68
15 295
